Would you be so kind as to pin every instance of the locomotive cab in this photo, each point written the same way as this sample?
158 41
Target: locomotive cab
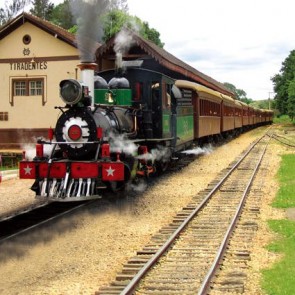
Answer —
152 94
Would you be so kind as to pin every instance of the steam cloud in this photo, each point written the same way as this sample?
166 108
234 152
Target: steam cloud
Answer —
199 151
123 42
119 143
31 150
88 15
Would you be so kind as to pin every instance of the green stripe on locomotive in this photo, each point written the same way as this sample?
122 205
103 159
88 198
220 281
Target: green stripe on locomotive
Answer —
166 125
185 124
120 97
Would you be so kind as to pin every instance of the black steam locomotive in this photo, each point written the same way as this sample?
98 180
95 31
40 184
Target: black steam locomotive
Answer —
126 133
129 128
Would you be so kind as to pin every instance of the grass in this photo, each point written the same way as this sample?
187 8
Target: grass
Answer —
280 279
286 174
283 119
2 168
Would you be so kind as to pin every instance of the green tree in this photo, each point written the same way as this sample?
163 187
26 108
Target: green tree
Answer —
42 9
282 81
152 34
291 99
240 94
11 9
62 16
116 19
247 100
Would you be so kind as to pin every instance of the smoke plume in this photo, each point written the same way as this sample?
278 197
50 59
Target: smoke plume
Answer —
88 15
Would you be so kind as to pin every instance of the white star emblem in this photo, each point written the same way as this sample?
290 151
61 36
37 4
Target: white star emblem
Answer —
28 170
110 171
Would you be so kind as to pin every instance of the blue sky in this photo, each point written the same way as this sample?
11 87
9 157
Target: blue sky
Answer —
240 42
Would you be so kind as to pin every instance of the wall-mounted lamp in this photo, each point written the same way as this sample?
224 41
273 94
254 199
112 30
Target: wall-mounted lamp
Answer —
33 59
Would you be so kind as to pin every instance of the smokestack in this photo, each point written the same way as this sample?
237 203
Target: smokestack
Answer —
87 76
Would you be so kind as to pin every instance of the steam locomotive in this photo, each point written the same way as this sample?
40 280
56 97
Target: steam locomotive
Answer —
131 125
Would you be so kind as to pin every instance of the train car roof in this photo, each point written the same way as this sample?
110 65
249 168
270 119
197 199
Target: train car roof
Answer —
197 87
200 88
229 99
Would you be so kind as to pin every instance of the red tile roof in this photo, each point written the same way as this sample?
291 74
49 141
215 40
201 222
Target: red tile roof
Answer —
47 26
170 62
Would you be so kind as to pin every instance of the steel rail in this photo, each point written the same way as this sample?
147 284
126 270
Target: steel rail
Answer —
206 283
141 273
44 222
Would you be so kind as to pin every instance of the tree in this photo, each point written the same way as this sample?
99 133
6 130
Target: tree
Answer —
239 93
291 99
282 81
114 22
116 19
42 9
62 16
119 4
11 10
152 34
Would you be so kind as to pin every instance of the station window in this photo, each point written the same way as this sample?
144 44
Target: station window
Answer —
36 87
28 87
19 88
3 116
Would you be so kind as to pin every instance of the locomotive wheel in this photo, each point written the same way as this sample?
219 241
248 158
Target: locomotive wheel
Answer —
162 166
116 186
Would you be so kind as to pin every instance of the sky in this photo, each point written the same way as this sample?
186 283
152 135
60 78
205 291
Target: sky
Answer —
240 42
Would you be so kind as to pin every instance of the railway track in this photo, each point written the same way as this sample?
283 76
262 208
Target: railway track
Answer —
31 218
184 257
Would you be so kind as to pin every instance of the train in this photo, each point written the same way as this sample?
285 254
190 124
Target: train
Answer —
124 125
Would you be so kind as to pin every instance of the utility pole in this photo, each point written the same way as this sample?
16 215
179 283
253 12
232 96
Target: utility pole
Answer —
269 93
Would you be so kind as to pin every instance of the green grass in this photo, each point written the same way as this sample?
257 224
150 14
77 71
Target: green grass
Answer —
282 119
8 168
280 277
286 195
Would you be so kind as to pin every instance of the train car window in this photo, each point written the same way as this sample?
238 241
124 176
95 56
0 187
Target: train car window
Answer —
167 96
156 95
207 107
202 110
186 98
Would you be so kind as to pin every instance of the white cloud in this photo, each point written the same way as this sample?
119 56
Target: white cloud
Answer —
240 42
235 41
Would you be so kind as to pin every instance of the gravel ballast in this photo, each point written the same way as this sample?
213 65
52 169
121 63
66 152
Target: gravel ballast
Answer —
83 252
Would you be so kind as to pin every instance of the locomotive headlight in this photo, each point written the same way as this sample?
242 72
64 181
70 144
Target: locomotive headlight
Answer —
71 91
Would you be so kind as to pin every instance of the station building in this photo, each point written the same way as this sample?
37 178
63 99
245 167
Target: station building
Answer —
35 56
